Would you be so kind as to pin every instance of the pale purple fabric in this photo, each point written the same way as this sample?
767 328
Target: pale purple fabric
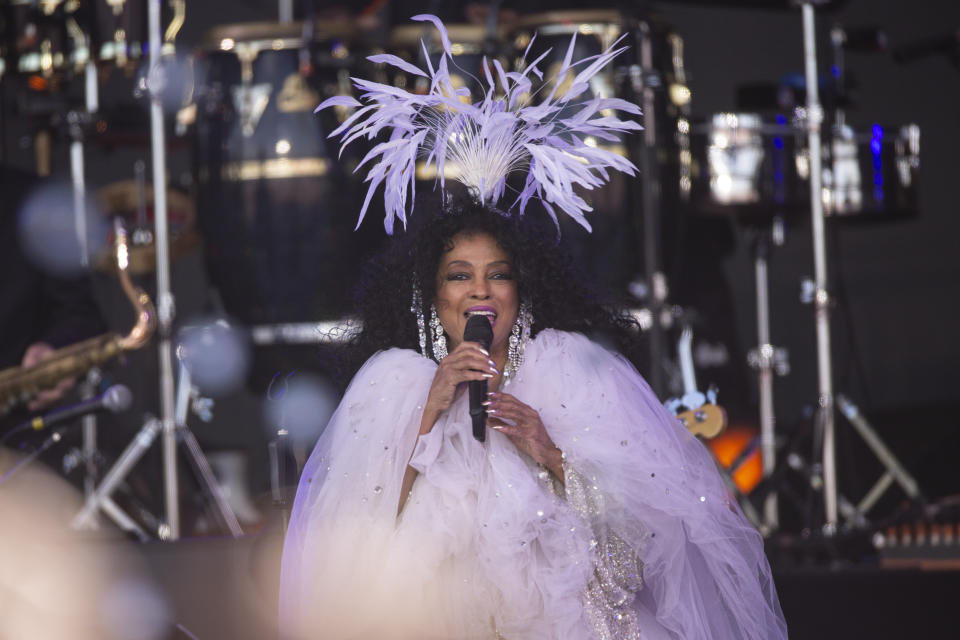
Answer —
483 544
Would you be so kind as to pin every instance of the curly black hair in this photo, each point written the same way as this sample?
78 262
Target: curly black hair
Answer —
545 274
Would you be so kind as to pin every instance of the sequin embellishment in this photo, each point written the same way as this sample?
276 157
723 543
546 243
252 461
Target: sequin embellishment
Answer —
608 600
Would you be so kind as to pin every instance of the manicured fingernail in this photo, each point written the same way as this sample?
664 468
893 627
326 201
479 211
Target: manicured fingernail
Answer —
492 394
491 363
495 370
484 351
492 412
487 403
487 375
497 427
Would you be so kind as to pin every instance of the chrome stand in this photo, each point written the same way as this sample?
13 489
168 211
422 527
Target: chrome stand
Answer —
825 419
76 121
895 470
767 359
171 423
645 82
165 302
208 481
88 389
100 497
821 298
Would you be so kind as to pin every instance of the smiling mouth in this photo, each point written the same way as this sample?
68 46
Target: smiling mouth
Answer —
489 314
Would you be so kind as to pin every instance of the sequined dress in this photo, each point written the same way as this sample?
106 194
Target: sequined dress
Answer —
640 541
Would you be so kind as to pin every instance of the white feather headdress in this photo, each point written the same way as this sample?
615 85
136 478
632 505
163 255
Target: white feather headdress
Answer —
491 138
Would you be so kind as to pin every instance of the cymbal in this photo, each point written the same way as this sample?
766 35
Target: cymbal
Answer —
121 199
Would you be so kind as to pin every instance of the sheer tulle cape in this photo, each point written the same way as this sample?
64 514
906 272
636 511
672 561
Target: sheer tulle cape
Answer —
483 544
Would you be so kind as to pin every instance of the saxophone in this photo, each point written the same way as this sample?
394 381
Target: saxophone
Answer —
19 384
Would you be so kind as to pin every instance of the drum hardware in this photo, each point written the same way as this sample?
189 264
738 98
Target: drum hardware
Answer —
859 160
812 474
824 434
284 470
670 316
745 165
89 453
872 173
121 30
749 167
767 360
76 120
759 170
142 234
324 332
895 471
40 42
165 299
644 83
187 397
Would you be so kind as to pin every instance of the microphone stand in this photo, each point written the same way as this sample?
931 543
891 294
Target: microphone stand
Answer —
87 390
51 440
283 465
824 435
77 120
165 301
172 423
100 498
644 83
821 297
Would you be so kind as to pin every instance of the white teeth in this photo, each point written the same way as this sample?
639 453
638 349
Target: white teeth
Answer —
489 314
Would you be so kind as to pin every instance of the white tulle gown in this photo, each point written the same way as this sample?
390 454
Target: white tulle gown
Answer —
642 541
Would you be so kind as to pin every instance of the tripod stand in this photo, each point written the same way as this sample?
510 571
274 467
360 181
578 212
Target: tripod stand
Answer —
100 497
172 422
820 297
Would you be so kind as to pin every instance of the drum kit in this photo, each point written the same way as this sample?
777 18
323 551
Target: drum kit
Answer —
272 198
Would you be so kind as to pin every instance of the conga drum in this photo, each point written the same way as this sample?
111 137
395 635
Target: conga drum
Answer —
612 253
754 166
871 172
276 208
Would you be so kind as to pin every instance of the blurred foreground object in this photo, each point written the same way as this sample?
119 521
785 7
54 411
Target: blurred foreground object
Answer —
56 584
